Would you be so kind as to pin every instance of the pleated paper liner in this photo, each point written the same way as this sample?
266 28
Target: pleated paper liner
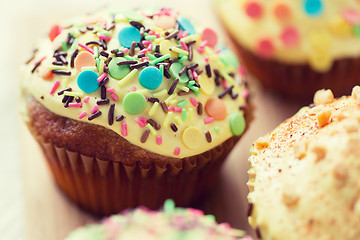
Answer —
300 82
107 187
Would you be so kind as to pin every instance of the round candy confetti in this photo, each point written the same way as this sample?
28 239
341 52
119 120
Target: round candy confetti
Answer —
54 32
282 12
228 58
340 27
207 84
290 36
175 68
356 30
165 21
237 123
313 7
186 25
164 48
118 72
87 81
128 35
150 78
351 16
216 108
265 48
192 137
253 9
210 36
320 61
84 59
134 103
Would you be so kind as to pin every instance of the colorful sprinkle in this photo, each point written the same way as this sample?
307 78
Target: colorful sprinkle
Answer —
192 137
158 140
82 115
237 123
128 35
86 48
87 81
150 78
55 87
94 109
177 151
134 103
124 131
209 120
253 9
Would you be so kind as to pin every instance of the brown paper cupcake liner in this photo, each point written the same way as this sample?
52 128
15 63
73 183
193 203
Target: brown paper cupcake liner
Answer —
301 81
106 187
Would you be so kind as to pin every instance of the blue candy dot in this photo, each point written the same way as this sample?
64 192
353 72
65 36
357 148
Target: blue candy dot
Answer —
150 78
186 25
87 81
128 35
313 7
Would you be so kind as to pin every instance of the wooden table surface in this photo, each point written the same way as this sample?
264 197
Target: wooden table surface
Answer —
50 215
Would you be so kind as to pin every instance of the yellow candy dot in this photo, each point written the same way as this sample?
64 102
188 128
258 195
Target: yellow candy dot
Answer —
320 61
340 27
164 48
319 40
207 85
192 137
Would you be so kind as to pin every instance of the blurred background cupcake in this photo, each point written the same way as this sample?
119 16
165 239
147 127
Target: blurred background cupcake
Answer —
133 107
297 47
169 223
304 175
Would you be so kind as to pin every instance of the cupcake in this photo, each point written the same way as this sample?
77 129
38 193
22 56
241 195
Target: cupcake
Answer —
304 175
133 107
297 47
169 223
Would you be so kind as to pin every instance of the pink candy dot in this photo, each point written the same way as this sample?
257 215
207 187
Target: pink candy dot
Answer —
351 16
290 36
210 36
253 9
265 48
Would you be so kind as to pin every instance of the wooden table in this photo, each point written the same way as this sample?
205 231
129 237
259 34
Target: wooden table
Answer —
50 215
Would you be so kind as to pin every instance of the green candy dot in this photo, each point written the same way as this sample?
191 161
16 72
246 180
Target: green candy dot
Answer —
118 72
228 58
169 206
357 30
134 103
133 15
237 123
175 68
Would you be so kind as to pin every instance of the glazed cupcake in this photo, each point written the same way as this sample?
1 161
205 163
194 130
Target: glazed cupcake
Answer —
304 175
133 107
169 223
297 47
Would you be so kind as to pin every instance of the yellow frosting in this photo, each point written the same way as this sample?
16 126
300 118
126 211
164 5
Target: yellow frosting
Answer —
175 144
330 34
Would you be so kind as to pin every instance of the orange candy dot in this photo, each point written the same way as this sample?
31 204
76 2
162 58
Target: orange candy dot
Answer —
54 32
164 21
282 11
216 108
84 59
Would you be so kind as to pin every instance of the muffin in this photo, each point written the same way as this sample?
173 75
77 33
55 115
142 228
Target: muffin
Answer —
169 223
297 47
133 107
304 175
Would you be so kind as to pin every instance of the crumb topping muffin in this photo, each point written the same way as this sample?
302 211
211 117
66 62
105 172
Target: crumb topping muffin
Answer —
303 176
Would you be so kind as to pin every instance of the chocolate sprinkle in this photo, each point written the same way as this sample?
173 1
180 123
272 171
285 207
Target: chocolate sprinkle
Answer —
154 124
145 135
250 209
103 92
102 101
190 74
163 106
136 24
120 118
158 55
132 48
172 35
64 90
191 53
183 93
114 51
152 99
35 67
173 60
127 62
65 98
103 82
242 108
57 63
94 115
157 48
208 136
200 109
208 70
61 72
167 74
226 91
93 42
105 54
174 127
139 65
108 61
258 233
173 86
182 71
73 56
68 100
234 96
193 66
111 114
141 46
141 55
32 57
77 99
